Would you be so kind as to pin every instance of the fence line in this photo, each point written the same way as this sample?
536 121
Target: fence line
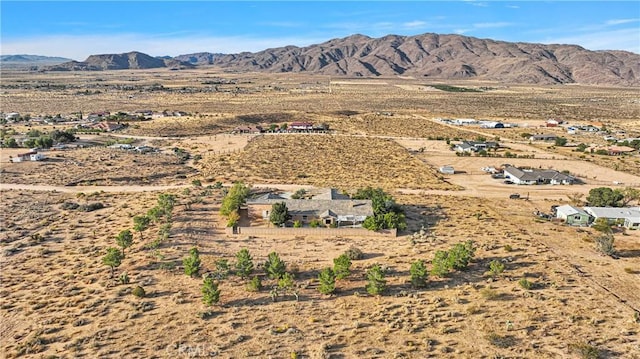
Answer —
325 232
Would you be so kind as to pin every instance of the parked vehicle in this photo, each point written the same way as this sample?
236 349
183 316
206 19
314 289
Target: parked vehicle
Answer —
514 196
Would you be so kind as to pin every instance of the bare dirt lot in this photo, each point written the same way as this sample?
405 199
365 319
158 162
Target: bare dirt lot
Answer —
59 299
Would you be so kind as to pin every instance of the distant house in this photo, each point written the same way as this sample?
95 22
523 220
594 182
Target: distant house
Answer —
448 170
491 124
620 150
247 129
472 146
536 176
300 126
573 216
629 217
552 123
107 126
28 156
12 116
545 137
329 207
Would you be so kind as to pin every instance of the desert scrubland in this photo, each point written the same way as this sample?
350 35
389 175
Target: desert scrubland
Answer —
59 300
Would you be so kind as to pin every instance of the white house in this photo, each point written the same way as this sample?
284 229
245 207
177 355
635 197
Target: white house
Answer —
628 216
536 176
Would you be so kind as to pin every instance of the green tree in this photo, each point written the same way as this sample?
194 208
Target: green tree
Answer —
140 223
274 266
210 291
113 258
387 214
11 143
419 274
124 239
192 263
629 195
602 225
605 197
560 141
327 279
234 199
440 264
279 214
244 263
460 255
341 266
299 194
376 282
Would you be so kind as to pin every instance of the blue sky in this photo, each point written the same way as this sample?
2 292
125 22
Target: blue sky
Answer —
76 29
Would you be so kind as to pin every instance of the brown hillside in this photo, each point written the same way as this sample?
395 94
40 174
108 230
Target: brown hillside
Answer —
434 56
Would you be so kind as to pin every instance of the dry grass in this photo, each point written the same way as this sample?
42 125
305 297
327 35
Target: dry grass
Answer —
98 166
58 298
325 160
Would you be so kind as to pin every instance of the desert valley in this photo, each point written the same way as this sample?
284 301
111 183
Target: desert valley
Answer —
208 210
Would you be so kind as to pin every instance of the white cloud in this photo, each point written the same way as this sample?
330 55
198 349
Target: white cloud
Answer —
491 25
624 39
414 24
620 21
79 47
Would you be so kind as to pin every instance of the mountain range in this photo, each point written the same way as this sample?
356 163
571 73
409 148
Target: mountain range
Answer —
426 56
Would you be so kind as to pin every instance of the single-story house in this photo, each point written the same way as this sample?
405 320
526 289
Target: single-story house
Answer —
330 207
629 217
247 129
448 170
28 156
300 126
573 216
474 146
545 137
536 176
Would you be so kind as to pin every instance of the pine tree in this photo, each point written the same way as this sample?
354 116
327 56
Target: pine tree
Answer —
244 263
376 283
327 280
418 273
341 266
274 266
192 262
210 291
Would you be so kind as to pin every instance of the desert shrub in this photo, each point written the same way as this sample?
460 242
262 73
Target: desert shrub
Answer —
299 194
69 206
488 293
255 284
244 263
90 207
525 283
196 183
604 244
192 263
376 282
138 291
327 279
210 291
460 255
341 266
124 278
501 341
297 224
440 264
585 350
315 223
496 267
222 269
507 248
354 253
419 274
274 266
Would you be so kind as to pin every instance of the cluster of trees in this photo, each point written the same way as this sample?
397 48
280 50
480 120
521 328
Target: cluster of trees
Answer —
607 197
387 214
161 213
232 201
